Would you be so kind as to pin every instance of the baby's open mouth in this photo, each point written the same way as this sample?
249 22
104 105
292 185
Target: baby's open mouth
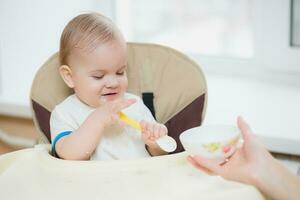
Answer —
108 94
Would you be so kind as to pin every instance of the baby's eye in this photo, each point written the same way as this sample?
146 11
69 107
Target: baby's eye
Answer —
97 77
120 73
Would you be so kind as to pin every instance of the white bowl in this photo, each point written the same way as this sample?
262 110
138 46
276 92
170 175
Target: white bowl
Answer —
216 142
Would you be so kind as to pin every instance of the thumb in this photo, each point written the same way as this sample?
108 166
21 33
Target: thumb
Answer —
244 127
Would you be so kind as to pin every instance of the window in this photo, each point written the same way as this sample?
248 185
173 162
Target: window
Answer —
224 36
221 28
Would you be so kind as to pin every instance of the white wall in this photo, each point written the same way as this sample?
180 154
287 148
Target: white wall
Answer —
29 34
271 108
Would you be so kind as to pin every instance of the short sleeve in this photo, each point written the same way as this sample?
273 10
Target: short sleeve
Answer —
59 123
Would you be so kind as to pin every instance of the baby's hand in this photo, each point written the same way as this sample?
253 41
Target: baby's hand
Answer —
151 132
108 112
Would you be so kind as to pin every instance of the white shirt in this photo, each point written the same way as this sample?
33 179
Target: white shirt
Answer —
117 142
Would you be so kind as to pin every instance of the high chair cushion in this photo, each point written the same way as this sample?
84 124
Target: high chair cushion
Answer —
34 174
177 83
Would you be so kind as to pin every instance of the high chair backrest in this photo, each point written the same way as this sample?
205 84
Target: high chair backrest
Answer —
171 85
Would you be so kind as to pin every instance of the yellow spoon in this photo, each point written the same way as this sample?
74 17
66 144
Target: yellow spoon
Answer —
166 142
129 121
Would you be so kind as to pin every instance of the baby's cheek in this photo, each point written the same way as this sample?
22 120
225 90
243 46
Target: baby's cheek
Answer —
123 81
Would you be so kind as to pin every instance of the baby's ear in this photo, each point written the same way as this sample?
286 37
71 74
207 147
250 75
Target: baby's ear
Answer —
66 74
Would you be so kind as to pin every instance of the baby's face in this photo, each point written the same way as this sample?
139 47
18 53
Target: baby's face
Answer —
100 75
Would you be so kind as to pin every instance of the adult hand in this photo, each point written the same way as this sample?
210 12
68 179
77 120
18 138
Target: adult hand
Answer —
247 163
253 164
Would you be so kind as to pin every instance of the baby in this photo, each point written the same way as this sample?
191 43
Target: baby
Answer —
86 125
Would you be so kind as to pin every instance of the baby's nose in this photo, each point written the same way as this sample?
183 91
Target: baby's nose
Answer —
111 82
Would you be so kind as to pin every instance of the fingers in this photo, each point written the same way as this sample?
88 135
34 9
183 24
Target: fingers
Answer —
117 105
244 127
207 164
143 125
146 134
195 164
156 130
163 130
159 130
123 103
153 130
145 129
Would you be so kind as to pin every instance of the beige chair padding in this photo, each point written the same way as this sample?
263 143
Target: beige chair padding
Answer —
175 80
177 84
34 174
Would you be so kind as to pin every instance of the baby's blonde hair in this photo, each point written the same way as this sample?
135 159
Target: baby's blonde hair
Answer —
86 31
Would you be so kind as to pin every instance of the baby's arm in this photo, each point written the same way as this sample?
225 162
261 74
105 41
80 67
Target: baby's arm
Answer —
82 142
151 131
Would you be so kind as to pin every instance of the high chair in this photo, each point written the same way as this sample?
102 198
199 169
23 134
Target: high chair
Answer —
174 88
171 85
